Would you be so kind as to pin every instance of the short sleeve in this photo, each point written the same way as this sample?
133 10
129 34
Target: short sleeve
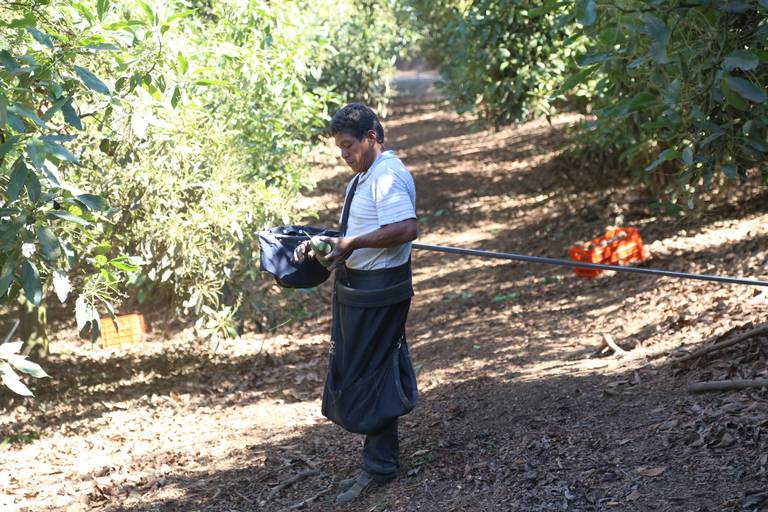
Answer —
393 195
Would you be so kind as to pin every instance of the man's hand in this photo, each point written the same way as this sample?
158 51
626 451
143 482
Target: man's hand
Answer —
342 248
302 251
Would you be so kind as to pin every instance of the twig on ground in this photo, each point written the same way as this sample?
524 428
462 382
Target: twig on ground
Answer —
245 498
310 499
293 480
727 385
303 459
724 344
612 344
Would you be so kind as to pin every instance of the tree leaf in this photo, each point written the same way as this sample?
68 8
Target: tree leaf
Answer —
40 37
732 98
575 80
585 12
102 8
6 278
48 115
183 64
123 265
11 380
49 242
666 155
9 212
28 113
52 173
688 155
3 111
22 364
13 347
87 318
36 153
17 180
61 285
151 17
8 62
91 81
60 152
70 115
741 59
657 29
745 89
30 281
34 189
16 122
640 101
58 138
181 14
176 97
8 145
93 202
64 215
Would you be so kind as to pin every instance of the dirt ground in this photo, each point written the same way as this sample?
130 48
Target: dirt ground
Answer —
522 408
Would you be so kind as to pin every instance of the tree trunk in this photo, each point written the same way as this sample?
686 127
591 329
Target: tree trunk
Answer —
32 329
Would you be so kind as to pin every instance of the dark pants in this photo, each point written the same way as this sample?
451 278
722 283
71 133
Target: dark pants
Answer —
381 454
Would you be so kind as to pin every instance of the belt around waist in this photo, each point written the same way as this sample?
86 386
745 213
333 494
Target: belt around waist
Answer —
374 298
403 271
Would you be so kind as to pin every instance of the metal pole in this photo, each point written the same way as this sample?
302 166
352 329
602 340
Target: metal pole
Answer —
571 263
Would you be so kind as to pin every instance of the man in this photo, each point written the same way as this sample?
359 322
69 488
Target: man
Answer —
370 378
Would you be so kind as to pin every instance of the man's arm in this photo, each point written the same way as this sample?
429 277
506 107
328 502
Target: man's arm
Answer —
390 235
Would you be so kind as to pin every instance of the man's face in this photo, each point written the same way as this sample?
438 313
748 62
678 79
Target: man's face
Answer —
357 153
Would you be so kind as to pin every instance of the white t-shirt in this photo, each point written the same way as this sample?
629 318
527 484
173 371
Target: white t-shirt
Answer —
385 194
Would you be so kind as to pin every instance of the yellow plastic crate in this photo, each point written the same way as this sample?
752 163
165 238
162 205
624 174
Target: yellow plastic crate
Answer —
131 329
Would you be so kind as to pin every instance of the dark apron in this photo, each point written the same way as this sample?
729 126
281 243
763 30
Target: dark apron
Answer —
370 378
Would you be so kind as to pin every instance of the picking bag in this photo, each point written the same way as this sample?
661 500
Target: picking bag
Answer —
370 379
277 245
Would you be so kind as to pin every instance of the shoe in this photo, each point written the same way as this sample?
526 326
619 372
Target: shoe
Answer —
352 488
349 482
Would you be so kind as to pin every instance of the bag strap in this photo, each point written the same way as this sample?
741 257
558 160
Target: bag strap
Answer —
348 204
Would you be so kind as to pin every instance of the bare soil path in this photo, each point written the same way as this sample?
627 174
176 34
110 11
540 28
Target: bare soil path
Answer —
522 408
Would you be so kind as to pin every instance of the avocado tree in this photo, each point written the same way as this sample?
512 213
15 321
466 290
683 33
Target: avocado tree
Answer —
51 91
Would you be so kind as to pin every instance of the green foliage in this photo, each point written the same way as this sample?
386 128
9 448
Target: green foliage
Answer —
170 132
48 86
681 89
678 89
366 39
212 147
501 59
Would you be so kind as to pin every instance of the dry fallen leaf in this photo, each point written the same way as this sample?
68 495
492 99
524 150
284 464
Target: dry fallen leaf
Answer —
651 472
633 495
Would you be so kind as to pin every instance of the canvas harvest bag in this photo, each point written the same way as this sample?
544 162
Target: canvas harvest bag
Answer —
276 247
370 379
277 244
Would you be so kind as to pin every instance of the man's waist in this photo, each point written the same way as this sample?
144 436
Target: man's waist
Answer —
368 258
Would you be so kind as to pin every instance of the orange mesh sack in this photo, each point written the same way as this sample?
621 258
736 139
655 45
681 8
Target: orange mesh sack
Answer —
618 246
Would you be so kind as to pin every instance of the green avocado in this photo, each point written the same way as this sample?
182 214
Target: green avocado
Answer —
320 247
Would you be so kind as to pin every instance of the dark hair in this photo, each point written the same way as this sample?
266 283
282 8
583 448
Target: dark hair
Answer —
356 119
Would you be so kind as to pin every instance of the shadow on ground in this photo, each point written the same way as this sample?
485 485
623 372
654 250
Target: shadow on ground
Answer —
486 444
